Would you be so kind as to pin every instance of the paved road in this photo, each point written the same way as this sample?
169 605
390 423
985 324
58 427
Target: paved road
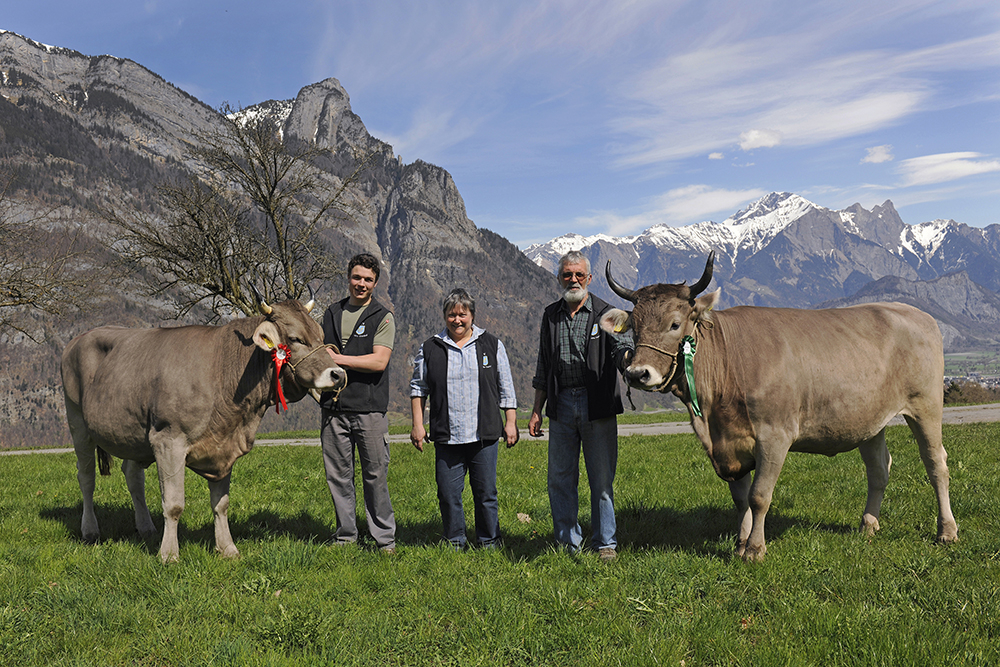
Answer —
961 415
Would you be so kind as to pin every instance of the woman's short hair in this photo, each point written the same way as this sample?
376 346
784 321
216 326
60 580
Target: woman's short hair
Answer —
459 297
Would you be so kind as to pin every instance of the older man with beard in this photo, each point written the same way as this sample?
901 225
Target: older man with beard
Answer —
576 381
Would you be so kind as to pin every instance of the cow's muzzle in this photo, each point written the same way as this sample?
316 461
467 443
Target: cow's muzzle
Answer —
642 376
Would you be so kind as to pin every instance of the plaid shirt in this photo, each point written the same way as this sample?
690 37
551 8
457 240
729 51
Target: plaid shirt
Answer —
571 331
572 339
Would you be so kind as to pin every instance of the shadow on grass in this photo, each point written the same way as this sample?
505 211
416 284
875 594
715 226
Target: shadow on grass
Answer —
117 523
707 530
704 530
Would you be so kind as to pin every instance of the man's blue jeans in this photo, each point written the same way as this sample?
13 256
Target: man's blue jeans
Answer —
599 439
451 462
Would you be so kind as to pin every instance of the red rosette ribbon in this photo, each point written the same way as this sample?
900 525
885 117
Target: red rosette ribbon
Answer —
280 356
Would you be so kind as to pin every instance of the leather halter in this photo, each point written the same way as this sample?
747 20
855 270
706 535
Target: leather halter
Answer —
662 388
331 346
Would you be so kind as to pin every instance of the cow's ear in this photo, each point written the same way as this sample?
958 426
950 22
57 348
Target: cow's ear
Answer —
616 321
266 337
703 304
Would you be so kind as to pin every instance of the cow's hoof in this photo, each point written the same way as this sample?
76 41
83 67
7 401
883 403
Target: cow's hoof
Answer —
948 534
229 552
754 555
91 538
869 525
740 549
168 558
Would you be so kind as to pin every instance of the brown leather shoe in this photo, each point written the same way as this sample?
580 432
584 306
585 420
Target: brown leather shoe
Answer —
607 554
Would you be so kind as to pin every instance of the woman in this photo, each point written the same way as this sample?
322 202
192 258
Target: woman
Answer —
465 373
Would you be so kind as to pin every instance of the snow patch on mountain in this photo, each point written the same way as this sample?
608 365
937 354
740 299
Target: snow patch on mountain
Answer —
744 233
924 239
277 110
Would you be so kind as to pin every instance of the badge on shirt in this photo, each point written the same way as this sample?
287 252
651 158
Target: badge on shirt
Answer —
486 362
593 332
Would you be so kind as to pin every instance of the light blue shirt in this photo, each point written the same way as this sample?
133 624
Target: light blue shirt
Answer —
463 385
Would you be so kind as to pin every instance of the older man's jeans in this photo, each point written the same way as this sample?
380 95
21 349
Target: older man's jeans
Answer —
599 439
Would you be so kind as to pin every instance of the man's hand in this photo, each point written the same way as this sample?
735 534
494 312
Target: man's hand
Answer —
535 425
625 361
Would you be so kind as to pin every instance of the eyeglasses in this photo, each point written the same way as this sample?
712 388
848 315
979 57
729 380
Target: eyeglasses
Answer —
570 274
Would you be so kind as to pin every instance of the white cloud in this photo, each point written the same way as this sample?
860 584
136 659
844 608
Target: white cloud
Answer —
716 156
752 139
944 167
693 203
808 86
877 154
431 131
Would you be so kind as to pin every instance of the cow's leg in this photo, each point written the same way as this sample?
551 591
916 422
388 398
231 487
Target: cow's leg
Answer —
135 478
86 457
219 493
878 461
740 491
170 455
928 435
771 452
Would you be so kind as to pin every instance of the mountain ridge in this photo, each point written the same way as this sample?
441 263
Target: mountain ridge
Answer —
783 250
82 131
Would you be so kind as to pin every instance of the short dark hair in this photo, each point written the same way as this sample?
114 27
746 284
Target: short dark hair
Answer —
365 260
459 297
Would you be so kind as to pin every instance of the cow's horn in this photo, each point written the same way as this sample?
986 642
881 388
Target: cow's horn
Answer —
311 303
706 277
626 294
264 308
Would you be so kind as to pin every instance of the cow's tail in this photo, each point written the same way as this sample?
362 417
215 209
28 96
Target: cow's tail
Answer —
103 462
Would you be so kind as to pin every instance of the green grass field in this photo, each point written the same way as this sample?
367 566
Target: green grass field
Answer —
985 362
824 595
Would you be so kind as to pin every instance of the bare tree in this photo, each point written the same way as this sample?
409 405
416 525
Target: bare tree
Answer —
43 264
254 217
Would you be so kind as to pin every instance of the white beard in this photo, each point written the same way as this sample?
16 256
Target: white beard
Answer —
574 296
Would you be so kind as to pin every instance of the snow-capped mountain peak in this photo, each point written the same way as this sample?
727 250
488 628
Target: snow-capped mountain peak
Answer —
743 233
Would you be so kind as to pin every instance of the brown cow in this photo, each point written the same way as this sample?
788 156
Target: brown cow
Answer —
187 396
767 381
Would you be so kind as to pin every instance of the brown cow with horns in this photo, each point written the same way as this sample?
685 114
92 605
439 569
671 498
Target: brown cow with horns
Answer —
186 396
767 381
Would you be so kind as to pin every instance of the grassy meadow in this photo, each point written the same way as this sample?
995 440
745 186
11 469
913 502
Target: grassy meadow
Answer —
675 596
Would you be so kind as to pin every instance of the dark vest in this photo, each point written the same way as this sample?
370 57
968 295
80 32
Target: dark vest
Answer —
365 392
604 398
436 357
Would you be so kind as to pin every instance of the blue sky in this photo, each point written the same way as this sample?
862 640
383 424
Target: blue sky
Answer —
595 116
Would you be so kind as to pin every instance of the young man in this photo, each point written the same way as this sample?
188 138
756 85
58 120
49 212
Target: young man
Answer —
576 381
363 330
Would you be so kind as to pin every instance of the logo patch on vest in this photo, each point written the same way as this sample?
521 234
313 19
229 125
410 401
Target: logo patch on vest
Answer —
486 361
593 331
361 330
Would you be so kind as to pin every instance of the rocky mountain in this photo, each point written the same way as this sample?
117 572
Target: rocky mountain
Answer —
783 250
968 314
81 129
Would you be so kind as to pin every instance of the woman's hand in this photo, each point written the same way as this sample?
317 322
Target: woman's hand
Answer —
510 433
417 436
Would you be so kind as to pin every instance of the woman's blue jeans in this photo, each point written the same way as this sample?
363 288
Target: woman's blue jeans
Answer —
480 460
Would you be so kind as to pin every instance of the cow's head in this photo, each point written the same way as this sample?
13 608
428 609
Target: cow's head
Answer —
663 315
308 366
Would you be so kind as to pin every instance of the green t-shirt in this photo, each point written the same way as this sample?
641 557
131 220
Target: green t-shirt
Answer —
384 334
